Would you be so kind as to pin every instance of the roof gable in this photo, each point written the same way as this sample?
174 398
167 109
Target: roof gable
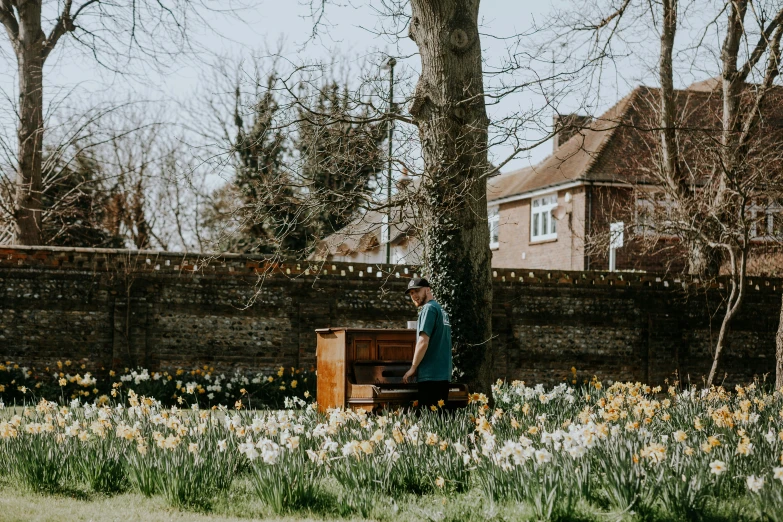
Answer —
572 161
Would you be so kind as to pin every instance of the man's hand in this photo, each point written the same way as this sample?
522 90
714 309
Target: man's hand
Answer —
418 354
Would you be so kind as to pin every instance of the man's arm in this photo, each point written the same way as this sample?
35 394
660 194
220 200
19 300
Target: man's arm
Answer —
421 348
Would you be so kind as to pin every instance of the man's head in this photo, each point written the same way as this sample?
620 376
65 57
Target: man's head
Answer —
419 290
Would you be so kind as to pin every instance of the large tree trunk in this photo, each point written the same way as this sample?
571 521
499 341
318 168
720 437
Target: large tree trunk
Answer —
779 351
449 109
30 58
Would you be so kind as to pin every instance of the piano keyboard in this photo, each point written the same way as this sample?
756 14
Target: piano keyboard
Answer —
396 390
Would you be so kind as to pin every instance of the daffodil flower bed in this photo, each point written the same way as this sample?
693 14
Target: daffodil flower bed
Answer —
622 451
66 381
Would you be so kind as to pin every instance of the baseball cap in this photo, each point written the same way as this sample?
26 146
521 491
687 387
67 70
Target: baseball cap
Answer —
417 282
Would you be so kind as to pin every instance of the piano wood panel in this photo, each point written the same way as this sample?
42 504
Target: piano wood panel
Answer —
395 351
364 349
332 368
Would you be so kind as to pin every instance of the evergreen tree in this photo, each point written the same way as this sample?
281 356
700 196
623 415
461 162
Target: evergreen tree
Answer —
340 156
273 213
75 202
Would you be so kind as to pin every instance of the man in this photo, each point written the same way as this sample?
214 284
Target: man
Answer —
432 357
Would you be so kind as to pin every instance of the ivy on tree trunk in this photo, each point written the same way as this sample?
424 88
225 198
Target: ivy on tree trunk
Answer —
449 110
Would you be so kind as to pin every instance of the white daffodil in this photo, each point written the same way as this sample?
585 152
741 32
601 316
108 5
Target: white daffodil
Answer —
717 467
755 483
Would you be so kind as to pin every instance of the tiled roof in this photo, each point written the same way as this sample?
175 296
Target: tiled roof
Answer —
708 85
570 162
621 145
364 233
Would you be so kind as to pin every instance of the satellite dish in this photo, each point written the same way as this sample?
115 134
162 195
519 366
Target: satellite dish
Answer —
559 212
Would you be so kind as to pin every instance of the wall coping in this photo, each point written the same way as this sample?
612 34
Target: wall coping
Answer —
105 260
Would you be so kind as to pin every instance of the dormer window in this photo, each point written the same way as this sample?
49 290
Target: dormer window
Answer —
542 225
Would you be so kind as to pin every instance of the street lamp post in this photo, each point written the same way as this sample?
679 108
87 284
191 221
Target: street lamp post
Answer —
391 63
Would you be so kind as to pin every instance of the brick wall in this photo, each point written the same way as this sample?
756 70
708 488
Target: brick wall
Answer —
111 308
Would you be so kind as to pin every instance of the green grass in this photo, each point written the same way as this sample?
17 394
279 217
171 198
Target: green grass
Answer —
25 506
20 505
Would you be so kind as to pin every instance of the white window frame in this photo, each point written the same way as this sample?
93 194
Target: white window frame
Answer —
647 208
774 211
643 220
543 225
752 213
762 216
385 229
493 218
770 211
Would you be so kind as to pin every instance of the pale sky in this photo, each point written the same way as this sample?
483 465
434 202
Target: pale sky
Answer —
348 33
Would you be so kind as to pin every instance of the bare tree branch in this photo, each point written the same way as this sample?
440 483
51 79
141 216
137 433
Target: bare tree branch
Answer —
761 46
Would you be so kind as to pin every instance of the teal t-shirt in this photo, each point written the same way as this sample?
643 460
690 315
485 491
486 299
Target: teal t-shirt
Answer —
436 364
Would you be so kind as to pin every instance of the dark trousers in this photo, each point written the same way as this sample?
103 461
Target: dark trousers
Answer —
430 392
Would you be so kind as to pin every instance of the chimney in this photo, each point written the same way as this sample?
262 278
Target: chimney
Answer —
566 126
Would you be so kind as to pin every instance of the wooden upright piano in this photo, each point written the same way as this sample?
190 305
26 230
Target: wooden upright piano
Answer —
362 368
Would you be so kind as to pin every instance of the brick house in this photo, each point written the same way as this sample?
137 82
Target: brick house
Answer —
539 216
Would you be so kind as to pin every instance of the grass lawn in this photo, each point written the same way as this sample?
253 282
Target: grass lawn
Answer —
23 506
20 505
29 507
17 504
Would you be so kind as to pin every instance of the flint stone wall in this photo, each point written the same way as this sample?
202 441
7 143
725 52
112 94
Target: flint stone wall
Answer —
163 310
